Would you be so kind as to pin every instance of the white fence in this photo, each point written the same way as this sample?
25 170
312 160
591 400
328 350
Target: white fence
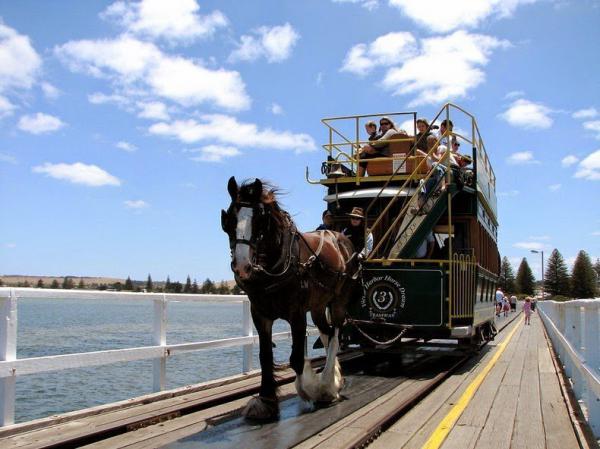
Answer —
574 328
11 367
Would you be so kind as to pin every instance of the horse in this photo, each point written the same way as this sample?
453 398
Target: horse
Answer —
287 273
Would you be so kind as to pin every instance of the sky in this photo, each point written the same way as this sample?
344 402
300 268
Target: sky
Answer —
121 122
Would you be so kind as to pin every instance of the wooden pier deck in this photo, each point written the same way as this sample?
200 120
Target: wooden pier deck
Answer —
512 395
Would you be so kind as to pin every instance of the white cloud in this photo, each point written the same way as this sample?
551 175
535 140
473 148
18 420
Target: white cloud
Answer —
214 153
136 204
514 94
387 50
443 16
522 157
50 91
585 113
367 4
510 193
78 173
173 20
155 110
126 146
569 160
142 69
589 168
554 187
102 98
242 134
273 43
40 123
6 107
19 62
530 245
444 68
7 158
276 109
528 115
593 126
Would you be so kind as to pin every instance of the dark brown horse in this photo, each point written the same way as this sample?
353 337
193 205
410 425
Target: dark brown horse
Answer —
285 274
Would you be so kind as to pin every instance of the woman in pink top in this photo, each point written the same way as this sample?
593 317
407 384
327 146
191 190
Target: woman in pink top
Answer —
527 310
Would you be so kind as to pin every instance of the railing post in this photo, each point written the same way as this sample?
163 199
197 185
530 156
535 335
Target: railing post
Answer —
248 332
159 338
8 351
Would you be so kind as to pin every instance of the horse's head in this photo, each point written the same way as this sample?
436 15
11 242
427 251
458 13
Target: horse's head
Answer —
246 222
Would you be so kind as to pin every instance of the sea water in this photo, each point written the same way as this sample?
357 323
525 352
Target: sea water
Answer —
53 327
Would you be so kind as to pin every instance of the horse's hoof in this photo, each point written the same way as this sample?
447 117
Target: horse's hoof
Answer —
261 409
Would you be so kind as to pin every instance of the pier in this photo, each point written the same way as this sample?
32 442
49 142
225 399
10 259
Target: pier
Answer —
533 386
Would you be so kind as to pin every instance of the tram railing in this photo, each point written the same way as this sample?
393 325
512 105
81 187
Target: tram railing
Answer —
159 352
574 329
463 286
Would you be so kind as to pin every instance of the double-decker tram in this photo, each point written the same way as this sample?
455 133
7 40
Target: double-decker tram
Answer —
430 263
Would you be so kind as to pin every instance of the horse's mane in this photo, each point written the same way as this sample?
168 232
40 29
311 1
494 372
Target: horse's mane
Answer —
269 200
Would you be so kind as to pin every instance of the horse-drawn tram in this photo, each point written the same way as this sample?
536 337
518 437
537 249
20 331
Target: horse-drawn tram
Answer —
430 263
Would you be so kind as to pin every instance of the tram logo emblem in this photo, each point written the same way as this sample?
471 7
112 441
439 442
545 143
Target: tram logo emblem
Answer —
384 295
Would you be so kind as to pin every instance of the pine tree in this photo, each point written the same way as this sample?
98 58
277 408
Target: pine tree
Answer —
556 277
149 285
195 288
1 282
168 284
583 279
507 276
128 284
525 280
188 285
40 283
81 284
176 287
597 270
68 283
223 288
208 286
54 284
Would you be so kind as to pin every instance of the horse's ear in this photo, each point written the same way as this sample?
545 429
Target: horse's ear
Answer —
232 188
257 190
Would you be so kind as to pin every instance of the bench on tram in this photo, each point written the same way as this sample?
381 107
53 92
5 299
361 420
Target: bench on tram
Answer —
400 147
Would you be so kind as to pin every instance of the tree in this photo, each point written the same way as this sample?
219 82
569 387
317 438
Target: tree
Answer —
525 280
195 288
507 276
1 282
583 279
128 284
81 284
54 284
208 286
68 283
149 285
118 286
176 287
556 280
597 270
223 288
168 284
40 283
188 285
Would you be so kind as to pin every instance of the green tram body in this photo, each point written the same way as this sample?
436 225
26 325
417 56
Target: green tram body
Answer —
443 297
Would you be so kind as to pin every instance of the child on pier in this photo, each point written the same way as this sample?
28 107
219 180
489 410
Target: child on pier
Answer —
527 310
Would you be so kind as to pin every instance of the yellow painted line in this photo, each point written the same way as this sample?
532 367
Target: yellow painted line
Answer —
443 429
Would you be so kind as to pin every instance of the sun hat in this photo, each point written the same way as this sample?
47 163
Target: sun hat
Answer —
357 212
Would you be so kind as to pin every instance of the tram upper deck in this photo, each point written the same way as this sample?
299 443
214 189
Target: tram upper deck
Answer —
403 168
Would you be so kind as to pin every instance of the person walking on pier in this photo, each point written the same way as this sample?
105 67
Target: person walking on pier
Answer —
527 310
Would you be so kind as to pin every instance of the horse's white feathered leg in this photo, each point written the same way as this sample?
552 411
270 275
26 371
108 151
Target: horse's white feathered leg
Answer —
331 376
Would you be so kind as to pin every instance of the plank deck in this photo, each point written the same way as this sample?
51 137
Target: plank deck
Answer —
518 405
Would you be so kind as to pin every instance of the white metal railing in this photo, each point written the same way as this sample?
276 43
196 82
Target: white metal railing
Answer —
11 367
574 328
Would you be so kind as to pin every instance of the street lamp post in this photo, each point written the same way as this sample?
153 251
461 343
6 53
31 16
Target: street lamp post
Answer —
542 252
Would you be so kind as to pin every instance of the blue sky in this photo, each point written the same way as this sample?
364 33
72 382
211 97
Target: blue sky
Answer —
121 122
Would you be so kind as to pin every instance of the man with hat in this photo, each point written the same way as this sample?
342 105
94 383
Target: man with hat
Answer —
356 232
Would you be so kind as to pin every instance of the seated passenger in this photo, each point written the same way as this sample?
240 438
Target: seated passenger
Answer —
423 136
327 224
371 128
376 148
446 125
425 250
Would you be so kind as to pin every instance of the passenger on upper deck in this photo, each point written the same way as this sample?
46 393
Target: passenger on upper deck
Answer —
423 136
445 125
371 128
379 147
